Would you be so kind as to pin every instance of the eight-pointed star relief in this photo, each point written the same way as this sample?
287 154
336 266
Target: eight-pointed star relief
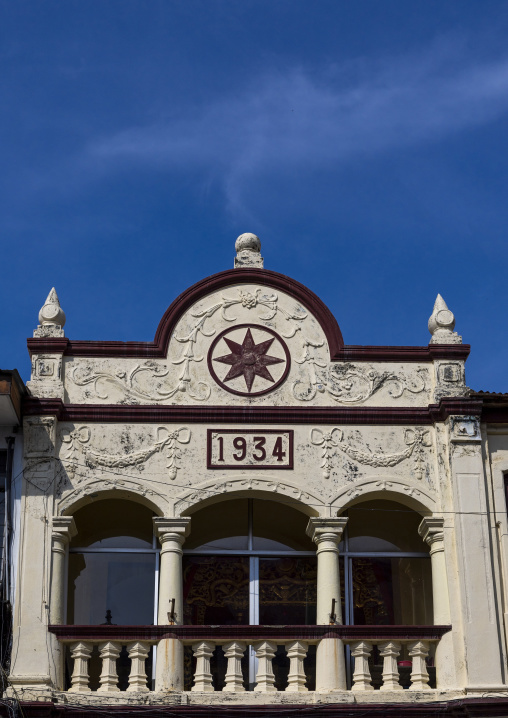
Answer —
254 351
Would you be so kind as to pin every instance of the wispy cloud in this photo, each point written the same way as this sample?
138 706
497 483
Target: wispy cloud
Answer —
299 119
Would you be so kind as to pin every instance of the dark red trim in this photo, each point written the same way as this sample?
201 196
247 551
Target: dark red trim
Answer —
223 385
159 347
247 633
289 465
459 708
242 415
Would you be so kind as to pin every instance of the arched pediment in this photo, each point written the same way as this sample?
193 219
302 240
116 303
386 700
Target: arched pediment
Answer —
259 277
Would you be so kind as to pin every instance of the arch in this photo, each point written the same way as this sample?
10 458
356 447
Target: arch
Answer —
386 488
159 347
96 492
211 492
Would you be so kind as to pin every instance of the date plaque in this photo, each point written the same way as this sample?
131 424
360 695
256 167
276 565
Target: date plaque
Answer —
249 449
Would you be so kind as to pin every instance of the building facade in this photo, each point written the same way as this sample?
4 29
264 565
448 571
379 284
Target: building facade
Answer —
248 516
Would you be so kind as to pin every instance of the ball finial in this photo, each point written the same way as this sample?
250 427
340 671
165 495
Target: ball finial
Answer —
248 251
248 241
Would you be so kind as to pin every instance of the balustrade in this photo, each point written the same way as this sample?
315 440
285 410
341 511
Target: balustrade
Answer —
389 642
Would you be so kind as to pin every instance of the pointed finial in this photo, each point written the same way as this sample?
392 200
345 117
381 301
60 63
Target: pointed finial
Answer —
442 323
51 317
248 252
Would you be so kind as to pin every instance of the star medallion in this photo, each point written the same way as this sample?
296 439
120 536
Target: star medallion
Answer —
248 359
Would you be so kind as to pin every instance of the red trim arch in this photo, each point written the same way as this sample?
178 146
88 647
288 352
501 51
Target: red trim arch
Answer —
159 347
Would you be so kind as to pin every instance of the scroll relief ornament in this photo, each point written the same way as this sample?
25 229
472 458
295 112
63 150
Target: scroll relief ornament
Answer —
351 384
76 446
148 381
416 441
152 381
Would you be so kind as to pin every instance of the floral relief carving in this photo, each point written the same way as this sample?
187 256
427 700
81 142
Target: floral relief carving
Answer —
76 443
149 381
416 441
350 384
345 383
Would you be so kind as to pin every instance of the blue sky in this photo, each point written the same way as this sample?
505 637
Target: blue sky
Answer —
364 141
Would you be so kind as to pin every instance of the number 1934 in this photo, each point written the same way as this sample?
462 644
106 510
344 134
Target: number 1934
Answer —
230 449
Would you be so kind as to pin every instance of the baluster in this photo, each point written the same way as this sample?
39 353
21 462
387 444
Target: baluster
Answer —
203 677
361 651
390 651
419 650
234 678
109 652
296 650
265 651
138 653
81 653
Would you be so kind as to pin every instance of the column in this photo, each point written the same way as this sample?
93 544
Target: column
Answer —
171 532
64 529
431 529
330 666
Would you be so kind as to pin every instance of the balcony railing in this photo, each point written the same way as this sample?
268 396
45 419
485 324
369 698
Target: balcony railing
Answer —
234 641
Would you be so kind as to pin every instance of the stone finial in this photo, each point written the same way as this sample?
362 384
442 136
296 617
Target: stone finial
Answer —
441 324
51 317
248 252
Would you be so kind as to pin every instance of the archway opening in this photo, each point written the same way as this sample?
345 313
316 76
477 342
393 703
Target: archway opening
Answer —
387 576
112 564
249 561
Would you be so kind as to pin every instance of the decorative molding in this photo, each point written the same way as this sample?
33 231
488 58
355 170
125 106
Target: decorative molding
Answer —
76 442
83 488
389 484
210 489
415 439
149 414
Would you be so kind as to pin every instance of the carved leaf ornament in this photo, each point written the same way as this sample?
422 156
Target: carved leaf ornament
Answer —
415 440
345 383
77 441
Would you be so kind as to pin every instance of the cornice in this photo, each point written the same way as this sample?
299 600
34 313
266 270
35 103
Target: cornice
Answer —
159 347
149 414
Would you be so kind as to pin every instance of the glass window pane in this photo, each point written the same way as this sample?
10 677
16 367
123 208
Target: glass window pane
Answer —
121 583
222 525
287 591
113 523
384 526
216 590
281 523
392 591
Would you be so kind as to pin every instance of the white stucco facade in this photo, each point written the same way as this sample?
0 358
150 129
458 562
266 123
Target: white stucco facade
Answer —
252 357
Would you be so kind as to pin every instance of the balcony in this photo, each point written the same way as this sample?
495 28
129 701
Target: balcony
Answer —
388 641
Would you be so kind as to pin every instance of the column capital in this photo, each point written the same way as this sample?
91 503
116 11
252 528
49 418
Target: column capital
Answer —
172 529
63 528
326 529
431 529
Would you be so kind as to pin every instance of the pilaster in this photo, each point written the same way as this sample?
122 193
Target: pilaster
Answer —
480 620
